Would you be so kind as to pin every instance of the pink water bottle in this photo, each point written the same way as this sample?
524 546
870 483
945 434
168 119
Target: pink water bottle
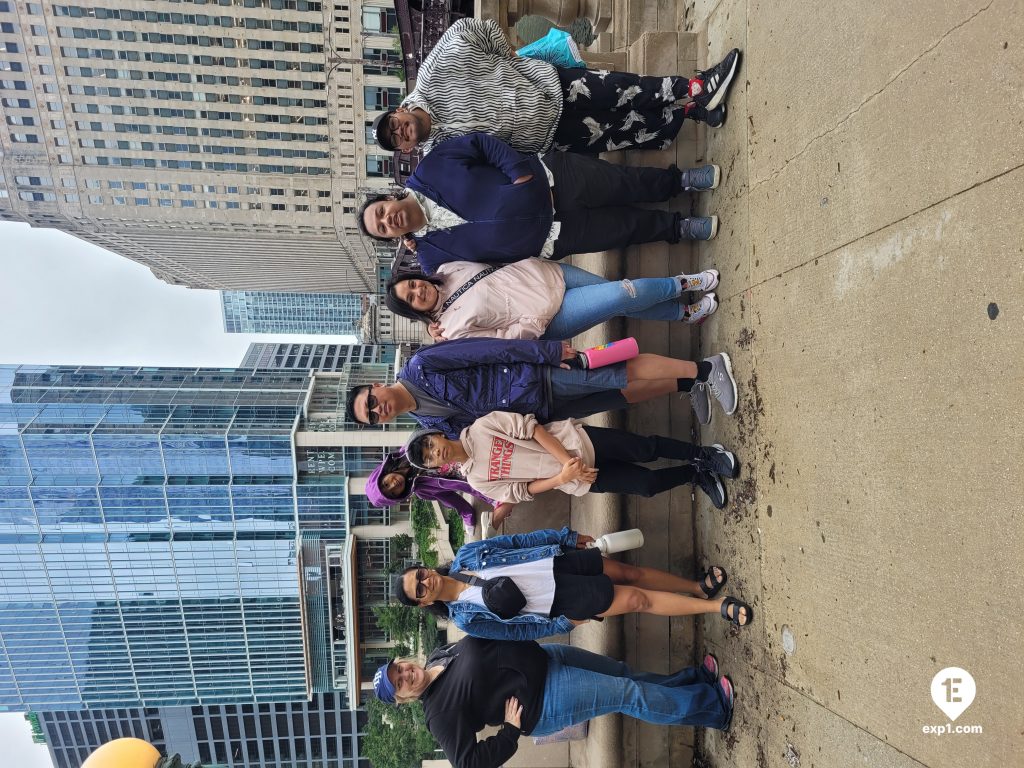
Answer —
607 354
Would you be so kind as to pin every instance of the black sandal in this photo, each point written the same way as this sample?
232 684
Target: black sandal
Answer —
728 603
717 584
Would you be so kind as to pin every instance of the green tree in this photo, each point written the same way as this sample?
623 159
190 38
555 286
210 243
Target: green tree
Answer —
401 622
423 526
396 737
401 550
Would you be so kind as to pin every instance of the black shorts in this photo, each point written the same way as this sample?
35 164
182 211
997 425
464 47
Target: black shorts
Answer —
581 588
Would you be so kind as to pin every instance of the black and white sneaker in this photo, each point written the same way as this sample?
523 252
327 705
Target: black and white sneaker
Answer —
713 118
712 487
709 87
715 458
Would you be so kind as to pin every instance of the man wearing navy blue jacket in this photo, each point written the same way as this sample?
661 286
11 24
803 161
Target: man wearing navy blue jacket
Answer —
475 198
450 385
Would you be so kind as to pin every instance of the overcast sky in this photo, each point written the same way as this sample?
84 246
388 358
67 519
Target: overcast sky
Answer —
64 301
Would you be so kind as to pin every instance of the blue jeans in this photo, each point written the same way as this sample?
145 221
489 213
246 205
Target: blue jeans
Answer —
590 300
581 685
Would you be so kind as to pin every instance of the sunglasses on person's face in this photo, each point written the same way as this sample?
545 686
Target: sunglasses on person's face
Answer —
421 588
371 403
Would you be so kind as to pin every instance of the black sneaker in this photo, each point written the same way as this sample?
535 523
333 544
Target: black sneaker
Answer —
712 487
709 87
717 459
713 118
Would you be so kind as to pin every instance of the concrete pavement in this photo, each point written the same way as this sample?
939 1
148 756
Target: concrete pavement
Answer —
871 249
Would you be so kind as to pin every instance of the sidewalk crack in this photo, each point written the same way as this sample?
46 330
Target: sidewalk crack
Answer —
873 96
722 297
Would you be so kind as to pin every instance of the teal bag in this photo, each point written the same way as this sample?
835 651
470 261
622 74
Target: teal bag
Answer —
556 47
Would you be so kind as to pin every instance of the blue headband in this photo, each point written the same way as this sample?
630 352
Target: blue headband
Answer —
382 686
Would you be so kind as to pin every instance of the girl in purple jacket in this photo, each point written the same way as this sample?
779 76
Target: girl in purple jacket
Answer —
396 479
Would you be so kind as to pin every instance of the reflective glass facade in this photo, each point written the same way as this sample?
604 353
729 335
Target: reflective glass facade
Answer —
148 528
299 734
280 312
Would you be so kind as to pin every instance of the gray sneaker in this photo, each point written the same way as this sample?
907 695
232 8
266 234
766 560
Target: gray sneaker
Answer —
701 402
721 382
701 179
698 228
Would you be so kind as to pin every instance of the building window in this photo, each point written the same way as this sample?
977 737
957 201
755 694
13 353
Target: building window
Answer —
378 166
377 19
377 98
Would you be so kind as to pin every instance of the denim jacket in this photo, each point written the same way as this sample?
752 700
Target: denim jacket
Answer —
476 620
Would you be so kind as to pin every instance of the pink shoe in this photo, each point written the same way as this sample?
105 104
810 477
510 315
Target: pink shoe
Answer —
726 685
711 665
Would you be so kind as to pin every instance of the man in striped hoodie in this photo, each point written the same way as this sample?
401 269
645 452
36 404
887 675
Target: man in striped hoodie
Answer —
474 81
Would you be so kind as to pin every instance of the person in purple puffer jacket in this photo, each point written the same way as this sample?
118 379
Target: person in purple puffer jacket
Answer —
396 479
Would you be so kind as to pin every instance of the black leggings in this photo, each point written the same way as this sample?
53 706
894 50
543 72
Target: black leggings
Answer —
616 450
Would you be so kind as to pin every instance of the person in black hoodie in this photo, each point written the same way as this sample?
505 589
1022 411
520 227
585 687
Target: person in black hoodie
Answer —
532 689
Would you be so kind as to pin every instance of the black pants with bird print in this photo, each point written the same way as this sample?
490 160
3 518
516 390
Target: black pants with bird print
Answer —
605 111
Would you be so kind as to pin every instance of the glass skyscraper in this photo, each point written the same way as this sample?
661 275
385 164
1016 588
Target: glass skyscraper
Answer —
186 537
148 537
300 734
279 312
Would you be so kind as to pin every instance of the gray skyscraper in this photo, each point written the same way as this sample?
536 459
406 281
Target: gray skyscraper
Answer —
316 357
174 536
277 312
222 144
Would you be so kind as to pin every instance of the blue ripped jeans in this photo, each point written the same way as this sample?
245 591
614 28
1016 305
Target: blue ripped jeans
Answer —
591 300
581 685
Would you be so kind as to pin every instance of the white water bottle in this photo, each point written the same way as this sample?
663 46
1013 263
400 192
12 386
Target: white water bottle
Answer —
619 541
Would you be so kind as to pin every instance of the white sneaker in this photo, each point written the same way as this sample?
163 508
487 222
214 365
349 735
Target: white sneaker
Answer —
702 281
702 310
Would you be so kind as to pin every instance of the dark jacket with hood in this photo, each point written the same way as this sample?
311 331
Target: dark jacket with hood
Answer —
472 176
478 376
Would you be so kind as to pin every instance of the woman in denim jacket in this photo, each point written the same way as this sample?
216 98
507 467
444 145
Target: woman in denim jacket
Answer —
565 584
